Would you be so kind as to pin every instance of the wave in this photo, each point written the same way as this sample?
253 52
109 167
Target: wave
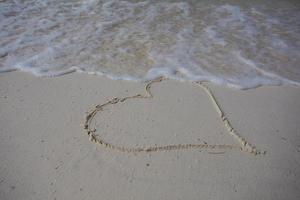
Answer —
241 45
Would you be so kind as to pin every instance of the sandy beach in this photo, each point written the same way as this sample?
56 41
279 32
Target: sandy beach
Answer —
46 154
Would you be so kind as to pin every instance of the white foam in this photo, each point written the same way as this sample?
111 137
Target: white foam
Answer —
241 46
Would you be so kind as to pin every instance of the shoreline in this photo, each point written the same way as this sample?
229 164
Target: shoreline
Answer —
46 154
281 81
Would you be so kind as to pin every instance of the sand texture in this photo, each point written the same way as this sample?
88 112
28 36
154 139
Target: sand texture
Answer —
45 152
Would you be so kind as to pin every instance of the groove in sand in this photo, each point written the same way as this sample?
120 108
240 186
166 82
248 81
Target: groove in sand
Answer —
243 145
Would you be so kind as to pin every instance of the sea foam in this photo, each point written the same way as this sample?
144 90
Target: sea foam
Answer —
241 45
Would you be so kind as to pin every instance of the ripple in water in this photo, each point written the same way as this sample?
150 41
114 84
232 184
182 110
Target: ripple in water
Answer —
238 45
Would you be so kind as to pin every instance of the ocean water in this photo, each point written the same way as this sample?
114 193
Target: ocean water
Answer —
241 44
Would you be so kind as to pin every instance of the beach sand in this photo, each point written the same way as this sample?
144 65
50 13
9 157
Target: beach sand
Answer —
46 154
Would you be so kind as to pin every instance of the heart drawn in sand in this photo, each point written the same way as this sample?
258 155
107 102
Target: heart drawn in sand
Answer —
243 145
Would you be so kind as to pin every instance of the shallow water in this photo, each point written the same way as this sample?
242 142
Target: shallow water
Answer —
234 43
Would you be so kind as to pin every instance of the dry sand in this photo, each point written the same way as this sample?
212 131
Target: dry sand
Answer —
46 154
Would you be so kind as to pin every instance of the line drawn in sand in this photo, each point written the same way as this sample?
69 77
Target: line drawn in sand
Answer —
243 144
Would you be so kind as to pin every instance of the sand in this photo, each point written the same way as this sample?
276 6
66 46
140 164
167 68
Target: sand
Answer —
46 154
